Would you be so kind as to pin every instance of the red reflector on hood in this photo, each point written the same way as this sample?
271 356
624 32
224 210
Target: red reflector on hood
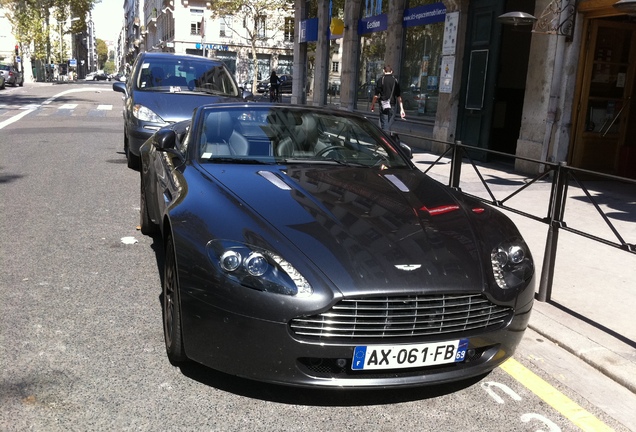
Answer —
479 210
440 209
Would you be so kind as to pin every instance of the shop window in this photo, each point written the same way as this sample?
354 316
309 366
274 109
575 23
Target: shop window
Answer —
420 70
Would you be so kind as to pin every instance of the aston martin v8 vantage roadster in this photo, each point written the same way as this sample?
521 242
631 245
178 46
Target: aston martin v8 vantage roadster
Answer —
303 247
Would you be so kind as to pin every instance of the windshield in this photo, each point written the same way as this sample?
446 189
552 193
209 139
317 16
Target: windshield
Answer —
178 75
275 134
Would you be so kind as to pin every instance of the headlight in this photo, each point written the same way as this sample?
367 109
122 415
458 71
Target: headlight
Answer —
145 114
257 268
511 264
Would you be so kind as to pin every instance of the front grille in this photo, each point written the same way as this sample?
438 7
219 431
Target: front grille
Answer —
403 316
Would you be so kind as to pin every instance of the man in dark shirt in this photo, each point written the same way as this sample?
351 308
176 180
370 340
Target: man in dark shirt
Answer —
388 92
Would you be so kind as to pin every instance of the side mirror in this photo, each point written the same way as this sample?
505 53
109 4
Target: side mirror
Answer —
119 86
164 139
408 152
247 95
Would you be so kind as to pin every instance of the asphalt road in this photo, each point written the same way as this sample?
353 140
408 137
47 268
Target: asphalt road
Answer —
81 343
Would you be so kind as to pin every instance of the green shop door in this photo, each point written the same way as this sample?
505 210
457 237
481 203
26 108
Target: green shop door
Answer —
479 74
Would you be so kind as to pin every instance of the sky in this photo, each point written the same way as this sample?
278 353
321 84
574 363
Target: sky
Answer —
108 16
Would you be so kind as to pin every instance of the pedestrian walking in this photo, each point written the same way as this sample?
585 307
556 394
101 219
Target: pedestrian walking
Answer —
388 92
274 83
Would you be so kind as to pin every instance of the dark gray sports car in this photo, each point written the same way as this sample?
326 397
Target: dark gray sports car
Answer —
303 247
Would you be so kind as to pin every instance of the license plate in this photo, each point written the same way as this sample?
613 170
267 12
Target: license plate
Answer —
408 356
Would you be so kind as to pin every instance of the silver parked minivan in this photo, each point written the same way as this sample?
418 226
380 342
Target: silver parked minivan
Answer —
165 88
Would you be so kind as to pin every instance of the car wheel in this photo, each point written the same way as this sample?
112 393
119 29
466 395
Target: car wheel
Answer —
171 307
133 161
21 83
147 226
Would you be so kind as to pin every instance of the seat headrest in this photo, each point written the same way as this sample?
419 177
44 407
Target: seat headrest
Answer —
218 127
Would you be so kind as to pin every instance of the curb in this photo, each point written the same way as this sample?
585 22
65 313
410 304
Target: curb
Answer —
611 364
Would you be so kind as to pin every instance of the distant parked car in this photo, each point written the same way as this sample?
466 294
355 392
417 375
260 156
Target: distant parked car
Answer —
100 76
11 76
286 81
263 86
165 88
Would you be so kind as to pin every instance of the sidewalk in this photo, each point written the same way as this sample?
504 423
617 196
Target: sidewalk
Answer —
594 287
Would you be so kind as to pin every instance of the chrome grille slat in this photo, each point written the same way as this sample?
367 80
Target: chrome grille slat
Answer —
403 316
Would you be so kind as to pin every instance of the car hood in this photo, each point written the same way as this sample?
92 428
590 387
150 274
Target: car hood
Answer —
367 230
178 106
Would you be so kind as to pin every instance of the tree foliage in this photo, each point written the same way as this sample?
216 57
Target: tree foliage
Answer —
102 53
32 22
261 20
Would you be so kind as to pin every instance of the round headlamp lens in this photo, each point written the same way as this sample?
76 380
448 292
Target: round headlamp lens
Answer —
230 260
256 264
515 254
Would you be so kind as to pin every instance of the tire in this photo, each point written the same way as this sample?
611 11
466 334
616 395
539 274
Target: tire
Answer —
21 83
148 227
172 307
133 161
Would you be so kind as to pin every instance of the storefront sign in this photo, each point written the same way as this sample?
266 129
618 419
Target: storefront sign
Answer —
308 30
450 33
213 47
423 15
373 24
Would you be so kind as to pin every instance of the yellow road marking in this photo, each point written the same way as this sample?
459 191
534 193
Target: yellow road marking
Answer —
557 400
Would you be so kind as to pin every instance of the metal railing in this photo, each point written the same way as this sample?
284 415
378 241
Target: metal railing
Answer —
559 177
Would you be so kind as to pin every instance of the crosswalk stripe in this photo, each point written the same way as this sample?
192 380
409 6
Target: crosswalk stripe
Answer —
61 107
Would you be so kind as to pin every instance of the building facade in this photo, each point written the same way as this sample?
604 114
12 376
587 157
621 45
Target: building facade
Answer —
557 89
192 27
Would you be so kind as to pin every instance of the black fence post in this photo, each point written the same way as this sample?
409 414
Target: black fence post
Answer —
555 221
456 166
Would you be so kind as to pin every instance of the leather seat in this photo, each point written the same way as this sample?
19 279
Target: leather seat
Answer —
220 138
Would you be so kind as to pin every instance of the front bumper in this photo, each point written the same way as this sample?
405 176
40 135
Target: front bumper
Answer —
138 133
269 351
